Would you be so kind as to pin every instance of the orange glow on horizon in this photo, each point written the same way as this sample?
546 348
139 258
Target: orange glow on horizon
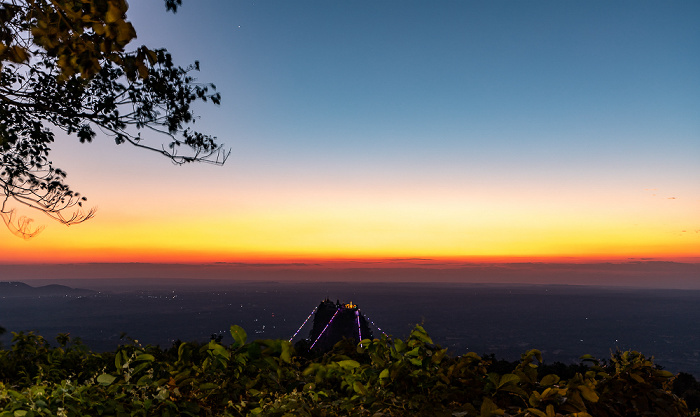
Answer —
107 255
503 229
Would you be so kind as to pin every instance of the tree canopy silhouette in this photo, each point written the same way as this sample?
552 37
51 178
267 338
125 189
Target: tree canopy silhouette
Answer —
64 64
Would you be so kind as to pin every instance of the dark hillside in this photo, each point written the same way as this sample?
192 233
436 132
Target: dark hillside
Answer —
20 289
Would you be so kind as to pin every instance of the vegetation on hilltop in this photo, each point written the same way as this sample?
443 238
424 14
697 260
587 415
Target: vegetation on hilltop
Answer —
380 377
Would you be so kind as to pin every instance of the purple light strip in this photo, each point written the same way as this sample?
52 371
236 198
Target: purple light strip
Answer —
376 326
324 329
303 324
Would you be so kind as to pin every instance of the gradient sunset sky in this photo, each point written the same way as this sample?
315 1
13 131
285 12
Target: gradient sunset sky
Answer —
383 129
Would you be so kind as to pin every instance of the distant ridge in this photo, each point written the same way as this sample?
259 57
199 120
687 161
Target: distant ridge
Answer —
20 289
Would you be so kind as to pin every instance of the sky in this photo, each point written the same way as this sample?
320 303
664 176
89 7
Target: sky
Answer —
452 131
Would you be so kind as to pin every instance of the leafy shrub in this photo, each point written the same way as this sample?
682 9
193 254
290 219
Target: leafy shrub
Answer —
380 377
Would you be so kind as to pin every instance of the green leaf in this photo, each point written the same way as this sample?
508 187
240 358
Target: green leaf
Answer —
349 364
384 374
119 359
588 393
17 54
16 395
489 408
399 345
414 352
239 335
549 392
140 367
514 389
416 361
219 351
550 379
536 412
589 358
145 357
359 388
535 399
144 380
420 334
508 379
637 378
286 354
494 378
664 374
106 379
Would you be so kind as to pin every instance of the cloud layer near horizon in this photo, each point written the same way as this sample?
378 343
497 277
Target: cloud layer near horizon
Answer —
643 274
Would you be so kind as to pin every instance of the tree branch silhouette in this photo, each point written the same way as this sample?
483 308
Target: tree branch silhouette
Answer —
64 66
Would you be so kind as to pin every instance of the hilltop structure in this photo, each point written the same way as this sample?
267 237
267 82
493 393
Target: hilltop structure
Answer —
334 322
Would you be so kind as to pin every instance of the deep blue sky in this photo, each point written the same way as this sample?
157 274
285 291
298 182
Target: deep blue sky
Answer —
556 83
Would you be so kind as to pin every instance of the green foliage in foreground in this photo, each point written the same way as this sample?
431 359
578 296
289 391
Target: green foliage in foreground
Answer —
380 377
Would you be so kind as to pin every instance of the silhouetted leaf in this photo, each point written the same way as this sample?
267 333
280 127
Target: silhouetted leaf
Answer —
106 379
239 335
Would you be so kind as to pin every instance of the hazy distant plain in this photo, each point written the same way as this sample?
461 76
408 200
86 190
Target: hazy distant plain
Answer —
506 319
